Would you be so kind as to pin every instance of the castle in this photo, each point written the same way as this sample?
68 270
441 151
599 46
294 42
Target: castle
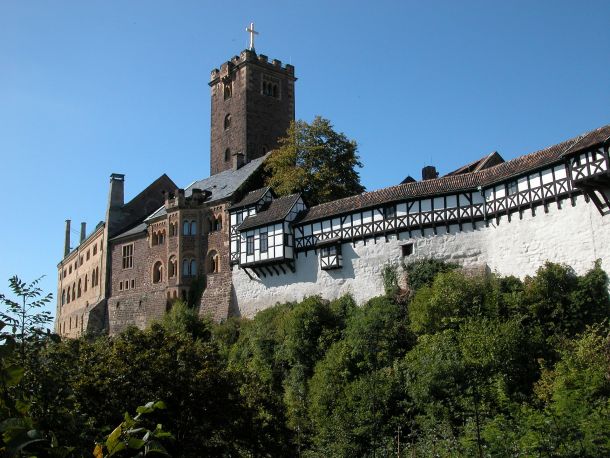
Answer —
230 244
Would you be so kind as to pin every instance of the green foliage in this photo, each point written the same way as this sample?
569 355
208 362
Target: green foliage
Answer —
468 365
184 319
316 161
423 271
132 437
23 314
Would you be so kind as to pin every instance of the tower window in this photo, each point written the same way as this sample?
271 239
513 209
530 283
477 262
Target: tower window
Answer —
228 90
227 121
227 155
270 86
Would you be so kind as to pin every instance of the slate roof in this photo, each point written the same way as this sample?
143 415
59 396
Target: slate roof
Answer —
459 182
136 230
277 211
222 185
251 198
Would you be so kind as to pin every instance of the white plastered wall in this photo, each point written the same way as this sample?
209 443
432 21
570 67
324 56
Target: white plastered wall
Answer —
576 236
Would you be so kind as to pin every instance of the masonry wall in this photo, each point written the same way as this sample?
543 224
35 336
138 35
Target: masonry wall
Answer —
575 235
144 302
75 274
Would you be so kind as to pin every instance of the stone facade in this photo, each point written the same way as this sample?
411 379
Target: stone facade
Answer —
252 106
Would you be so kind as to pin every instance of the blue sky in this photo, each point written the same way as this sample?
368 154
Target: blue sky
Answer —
91 88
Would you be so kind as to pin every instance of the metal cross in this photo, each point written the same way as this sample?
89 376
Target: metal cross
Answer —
252 32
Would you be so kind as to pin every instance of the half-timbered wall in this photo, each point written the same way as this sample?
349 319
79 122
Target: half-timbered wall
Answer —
575 235
513 196
280 239
512 227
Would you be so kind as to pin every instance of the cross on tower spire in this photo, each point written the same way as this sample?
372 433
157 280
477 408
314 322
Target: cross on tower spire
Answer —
252 32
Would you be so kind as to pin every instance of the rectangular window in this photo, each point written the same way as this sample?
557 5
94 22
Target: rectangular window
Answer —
133 284
407 249
389 212
264 242
330 257
512 188
250 245
128 256
120 286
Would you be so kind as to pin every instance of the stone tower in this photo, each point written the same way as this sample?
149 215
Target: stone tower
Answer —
252 106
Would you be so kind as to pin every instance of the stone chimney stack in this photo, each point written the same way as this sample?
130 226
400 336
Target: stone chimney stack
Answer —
238 160
429 173
67 240
117 190
83 232
116 200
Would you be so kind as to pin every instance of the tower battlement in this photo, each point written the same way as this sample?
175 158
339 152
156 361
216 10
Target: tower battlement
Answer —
249 56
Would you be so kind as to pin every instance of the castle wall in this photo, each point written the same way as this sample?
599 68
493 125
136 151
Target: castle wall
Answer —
576 236
80 277
138 300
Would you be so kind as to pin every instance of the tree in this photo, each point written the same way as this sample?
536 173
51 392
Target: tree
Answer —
24 314
316 161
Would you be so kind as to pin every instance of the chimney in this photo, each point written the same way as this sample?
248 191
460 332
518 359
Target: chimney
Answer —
67 241
83 231
238 160
117 190
429 173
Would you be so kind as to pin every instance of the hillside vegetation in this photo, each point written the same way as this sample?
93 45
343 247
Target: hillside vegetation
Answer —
461 365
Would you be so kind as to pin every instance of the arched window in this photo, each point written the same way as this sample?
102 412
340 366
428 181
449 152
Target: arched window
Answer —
171 267
74 291
228 90
186 268
78 294
63 297
86 280
227 121
213 262
227 155
171 230
94 250
193 227
218 223
186 228
193 268
154 239
157 272
161 237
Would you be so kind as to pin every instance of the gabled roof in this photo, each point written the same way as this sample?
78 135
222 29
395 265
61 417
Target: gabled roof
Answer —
221 186
277 211
460 182
484 163
251 198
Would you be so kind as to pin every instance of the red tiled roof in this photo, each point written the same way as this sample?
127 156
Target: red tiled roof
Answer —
460 182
